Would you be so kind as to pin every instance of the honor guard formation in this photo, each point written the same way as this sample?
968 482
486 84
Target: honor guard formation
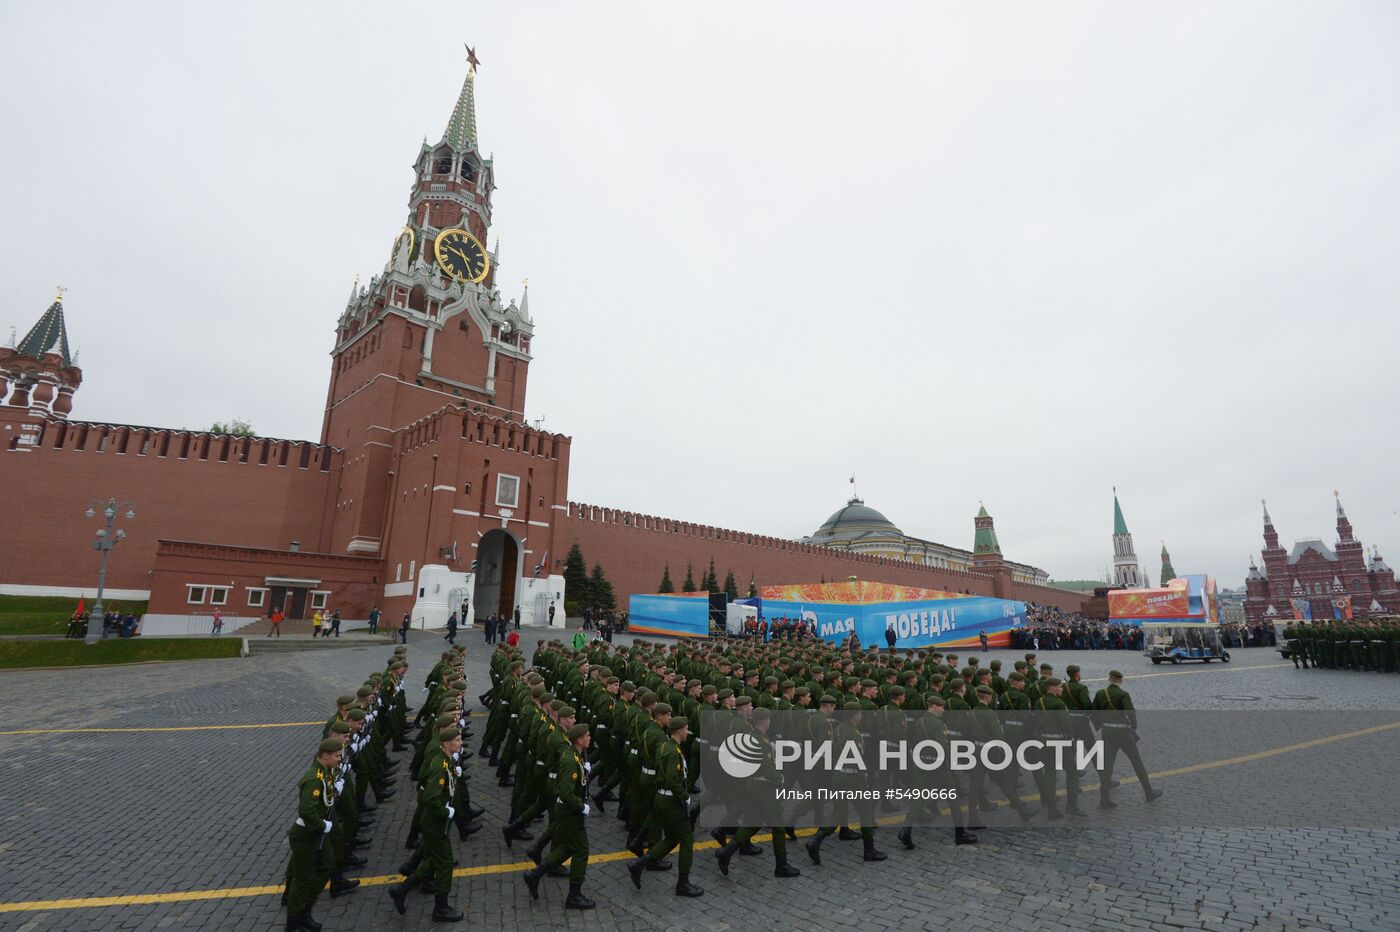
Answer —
1372 645
576 729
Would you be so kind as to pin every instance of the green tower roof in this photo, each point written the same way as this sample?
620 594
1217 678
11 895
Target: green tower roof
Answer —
1119 525
985 540
461 128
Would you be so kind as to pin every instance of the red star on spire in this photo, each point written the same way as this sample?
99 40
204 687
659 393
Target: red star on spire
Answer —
472 61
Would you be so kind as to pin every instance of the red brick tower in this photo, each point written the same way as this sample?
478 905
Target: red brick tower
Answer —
429 332
37 378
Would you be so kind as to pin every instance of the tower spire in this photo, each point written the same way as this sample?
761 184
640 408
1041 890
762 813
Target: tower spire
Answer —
1168 571
461 128
48 335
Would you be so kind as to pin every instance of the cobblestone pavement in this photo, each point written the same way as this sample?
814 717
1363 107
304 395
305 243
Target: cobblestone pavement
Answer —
120 814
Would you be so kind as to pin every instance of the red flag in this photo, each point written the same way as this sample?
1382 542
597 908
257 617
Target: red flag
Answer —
82 603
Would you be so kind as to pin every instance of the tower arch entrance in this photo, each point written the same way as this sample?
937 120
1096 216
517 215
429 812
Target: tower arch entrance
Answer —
497 574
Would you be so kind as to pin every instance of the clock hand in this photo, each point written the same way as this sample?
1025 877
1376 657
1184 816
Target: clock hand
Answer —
460 253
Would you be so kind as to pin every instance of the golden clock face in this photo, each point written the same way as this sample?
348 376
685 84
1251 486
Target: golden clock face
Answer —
461 255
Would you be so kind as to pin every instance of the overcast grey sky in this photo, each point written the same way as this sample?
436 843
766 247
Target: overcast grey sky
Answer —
1017 253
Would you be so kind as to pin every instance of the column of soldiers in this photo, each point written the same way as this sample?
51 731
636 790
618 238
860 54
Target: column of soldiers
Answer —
351 762
1350 644
575 727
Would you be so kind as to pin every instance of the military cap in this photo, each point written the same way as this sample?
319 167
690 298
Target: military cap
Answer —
761 715
708 690
996 664
851 706
646 697
610 680
364 691
786 684
770 681
662 708
724 694
1020 665
340 728
447 734
968 673
577 730
568 711
628 686
546 697
1114 675
344 700
331 744
691 684
985 691
1047 666
1030 656
934 699
459 684
956 682
676 724
744 700
1072 669
896 690
445 718
555 705
801 691
867 683
536 691
1017 677
1053 681
909 675
355 715
828 698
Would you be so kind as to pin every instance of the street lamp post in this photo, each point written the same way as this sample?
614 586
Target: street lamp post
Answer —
105 541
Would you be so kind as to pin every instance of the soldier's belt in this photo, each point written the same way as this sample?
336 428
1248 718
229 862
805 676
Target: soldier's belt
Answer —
648 771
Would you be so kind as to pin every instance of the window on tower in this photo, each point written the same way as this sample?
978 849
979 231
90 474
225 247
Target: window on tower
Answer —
442 165
467 172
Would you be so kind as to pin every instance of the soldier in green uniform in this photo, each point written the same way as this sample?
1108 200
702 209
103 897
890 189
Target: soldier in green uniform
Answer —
310 864
670 811
930 728
1118 720
435 797
568 820
765 780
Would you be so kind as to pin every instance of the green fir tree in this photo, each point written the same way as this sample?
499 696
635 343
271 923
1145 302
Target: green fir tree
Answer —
711 584
667 586
731 588
600 590
576 578
689 584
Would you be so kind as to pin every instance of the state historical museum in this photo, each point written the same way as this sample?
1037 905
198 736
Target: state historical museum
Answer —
425 458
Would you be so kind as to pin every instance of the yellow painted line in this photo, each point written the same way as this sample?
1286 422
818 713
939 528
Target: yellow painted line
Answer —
1204 668
89 731
229 893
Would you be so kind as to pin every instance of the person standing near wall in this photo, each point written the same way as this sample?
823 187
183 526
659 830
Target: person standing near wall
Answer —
316 624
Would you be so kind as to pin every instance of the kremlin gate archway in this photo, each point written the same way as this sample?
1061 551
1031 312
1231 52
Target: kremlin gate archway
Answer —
497 574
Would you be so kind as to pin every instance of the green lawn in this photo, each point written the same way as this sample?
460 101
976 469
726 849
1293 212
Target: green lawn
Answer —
27 614
73 653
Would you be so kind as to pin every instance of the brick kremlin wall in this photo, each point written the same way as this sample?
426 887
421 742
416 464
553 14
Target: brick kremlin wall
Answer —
634 548
185 485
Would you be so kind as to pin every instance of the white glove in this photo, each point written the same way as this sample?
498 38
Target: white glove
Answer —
451 814
340 785
458 770
586 809
325 828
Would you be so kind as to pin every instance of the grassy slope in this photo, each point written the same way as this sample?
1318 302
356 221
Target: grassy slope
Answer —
16 654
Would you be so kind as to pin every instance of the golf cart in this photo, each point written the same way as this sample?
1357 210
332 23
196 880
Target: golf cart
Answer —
1173 643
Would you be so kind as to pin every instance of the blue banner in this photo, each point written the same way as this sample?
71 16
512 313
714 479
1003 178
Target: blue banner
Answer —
934 622
669 615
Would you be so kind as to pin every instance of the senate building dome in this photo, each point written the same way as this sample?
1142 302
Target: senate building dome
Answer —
859 528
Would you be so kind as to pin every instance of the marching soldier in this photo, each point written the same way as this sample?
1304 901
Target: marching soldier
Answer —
568 821
435 797
671 804
1119 724
311 863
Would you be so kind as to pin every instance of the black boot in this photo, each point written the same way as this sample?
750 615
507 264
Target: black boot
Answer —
308 923
685 888
847 834
962 836
720 837
1153 795
871 852
906 837
814 847
466 828
635 869
536 851
399 893
1026 813
576 898
411 842
1052 811
784 869
354 860
341 885
749 849
725 855
444 911
532 880
475 812
1072 809
408 867
598 801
